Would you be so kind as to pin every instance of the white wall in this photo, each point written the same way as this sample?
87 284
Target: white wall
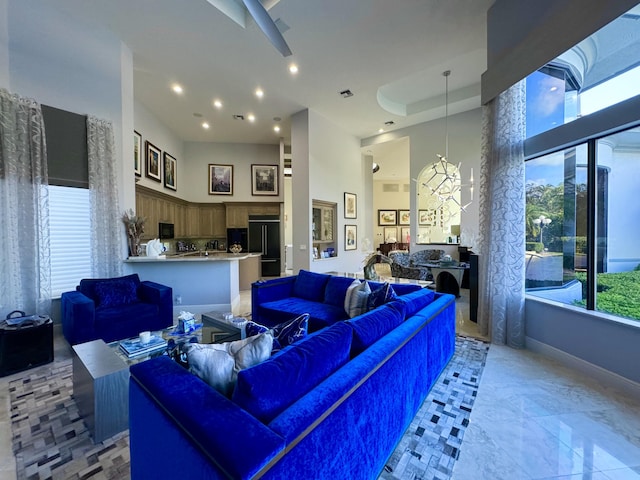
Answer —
156 132
326 163
4 45
426 140
199 155
335 167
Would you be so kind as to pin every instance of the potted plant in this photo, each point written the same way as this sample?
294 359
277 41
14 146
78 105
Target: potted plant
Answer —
134 226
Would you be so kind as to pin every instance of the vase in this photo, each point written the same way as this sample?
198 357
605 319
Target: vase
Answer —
134 246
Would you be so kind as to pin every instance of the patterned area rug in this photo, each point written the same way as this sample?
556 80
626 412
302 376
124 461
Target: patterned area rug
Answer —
50 440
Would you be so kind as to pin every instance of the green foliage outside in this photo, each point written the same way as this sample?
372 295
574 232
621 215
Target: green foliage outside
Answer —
534 247
618 293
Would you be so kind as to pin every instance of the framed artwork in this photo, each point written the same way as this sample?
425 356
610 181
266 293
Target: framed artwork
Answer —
424 217
350 237
220 179
387 217
170 171
350 205
153 161
264 180
390 234
405 235
404 217
137 152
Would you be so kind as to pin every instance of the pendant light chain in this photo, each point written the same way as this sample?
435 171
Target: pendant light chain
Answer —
446 112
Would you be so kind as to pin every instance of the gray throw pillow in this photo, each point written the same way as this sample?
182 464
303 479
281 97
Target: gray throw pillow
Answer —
218 364
355 301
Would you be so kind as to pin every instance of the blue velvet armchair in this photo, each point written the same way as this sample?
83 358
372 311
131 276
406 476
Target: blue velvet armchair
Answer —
114 309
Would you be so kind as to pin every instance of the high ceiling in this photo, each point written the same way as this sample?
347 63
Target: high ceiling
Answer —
389 53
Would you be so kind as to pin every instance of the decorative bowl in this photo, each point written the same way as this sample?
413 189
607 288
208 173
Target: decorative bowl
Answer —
235 248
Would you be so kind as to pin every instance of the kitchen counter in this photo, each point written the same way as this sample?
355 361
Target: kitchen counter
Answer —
193 257
200 283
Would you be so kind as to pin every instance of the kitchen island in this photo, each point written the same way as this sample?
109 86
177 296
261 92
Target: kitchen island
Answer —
200 282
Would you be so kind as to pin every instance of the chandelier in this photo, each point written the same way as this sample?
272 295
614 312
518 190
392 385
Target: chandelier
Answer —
445 182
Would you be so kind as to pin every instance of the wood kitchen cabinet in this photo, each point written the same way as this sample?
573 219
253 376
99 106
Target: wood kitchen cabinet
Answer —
195 220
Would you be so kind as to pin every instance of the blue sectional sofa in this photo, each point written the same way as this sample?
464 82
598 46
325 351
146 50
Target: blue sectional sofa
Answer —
320 295
114 309
332 405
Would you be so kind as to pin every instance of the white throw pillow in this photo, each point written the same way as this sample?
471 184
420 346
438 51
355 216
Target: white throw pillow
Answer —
355 301
218 364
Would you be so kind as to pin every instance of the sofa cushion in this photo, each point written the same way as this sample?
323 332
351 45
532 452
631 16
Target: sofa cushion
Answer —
373 325
284 334
336 290
310 285
415 301
381 295
115 292
320 314
355 300
88 285
218 364
269 388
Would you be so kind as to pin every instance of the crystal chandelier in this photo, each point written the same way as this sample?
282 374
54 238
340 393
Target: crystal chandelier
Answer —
445 182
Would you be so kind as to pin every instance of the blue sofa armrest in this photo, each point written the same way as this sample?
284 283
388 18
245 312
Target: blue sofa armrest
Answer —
78 317
269 291
161 295
170 408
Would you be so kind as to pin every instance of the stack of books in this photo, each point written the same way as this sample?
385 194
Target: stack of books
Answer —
134 348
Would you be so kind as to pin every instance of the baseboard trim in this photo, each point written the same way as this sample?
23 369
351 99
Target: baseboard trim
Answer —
601 374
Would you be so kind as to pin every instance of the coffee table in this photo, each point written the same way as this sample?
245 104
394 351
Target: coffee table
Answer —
218 329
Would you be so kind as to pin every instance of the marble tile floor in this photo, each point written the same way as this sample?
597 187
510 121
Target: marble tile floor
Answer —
532 419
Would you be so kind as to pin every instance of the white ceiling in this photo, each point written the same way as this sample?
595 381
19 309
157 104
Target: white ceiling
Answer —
389 52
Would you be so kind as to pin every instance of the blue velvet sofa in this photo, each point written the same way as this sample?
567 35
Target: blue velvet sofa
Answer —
115 308
318 294
331 406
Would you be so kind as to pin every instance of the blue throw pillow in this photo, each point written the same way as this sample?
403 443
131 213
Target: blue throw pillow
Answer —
116 292
380 296
336 290
284 334
269 388
310 285
371 326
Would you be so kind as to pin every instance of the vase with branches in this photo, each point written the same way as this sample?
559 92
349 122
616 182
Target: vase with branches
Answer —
134 226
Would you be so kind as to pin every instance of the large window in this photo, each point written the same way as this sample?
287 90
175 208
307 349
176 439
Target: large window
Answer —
582 236
69 224
601 71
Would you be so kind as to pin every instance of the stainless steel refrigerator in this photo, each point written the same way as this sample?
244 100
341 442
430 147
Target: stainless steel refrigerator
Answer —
264 238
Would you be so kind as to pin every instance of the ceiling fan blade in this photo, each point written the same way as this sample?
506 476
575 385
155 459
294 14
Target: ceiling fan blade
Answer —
267 25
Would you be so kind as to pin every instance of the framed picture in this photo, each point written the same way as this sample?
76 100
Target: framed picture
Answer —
350 237
153 161
404 217
405 235
387 217
137 151
390 234
264 180
220 179
170 171
424 217
350 205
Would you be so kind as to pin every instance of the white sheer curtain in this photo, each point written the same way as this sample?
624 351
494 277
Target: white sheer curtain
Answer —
502 215
106 225
25 267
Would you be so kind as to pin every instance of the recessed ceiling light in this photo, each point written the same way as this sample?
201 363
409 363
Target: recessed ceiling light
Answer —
176 88
205 125
276 129
259 93
553 89
217 103
381 130
293 68
251 117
